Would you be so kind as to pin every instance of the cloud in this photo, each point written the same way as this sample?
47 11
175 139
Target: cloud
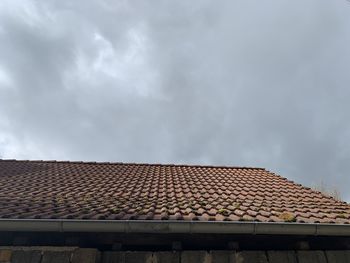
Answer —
246 83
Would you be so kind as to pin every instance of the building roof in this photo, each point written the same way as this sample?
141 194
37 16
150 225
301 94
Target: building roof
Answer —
126 191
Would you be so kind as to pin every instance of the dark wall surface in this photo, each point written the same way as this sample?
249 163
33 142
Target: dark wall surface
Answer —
86 255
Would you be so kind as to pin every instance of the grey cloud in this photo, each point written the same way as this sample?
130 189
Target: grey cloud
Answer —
237 83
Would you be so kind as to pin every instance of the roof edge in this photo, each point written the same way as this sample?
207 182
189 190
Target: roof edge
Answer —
175 227
129 163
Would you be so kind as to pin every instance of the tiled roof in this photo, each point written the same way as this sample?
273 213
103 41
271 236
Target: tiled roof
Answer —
118 191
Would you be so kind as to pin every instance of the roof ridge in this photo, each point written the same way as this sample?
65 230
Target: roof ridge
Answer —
130 163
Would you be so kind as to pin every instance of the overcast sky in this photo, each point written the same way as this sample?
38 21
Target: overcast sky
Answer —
244 83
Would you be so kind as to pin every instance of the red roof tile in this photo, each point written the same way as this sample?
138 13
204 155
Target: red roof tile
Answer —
118 191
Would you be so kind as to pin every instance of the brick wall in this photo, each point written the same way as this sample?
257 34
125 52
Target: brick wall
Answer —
84 255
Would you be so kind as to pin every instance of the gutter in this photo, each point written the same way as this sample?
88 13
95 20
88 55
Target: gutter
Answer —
173 227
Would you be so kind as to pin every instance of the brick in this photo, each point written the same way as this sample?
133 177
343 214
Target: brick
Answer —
56 257
195 256
315 256
166 257
138 257
5 255
222 256
20 256
282 256
113 257
338 256
86 255
251 257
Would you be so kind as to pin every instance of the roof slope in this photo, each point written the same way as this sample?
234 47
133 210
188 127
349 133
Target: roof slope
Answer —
117 191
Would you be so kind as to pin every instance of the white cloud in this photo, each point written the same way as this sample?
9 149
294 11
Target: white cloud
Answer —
5 79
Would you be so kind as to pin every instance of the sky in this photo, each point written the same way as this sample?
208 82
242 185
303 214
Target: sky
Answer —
237 83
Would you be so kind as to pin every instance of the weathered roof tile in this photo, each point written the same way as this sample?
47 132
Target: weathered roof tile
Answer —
117 191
